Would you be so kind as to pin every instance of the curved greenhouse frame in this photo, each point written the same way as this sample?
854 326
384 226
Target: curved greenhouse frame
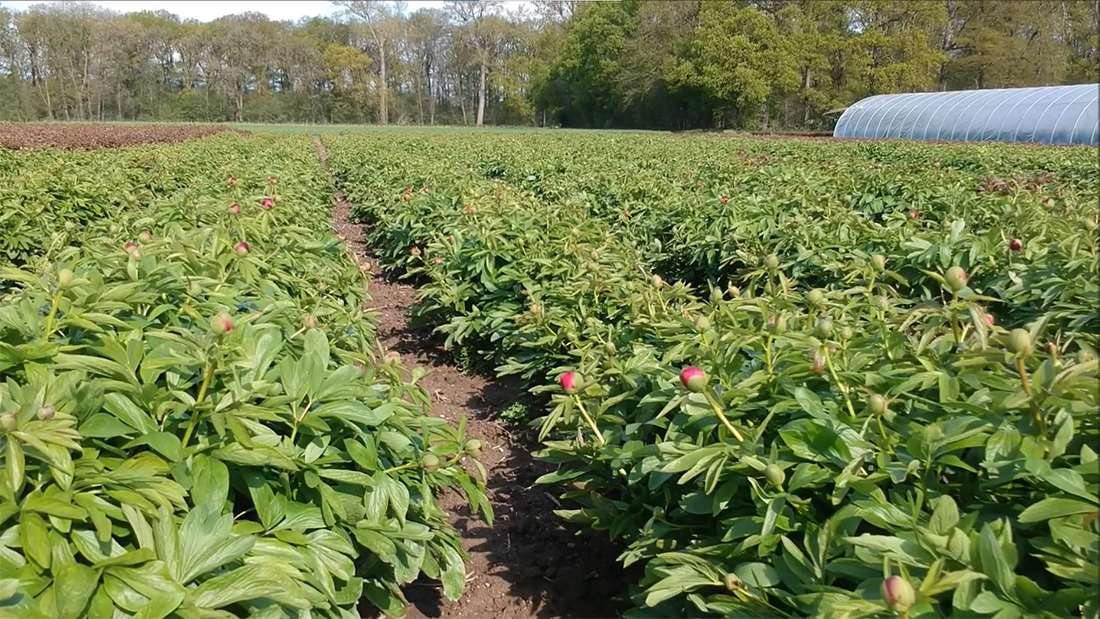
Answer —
1050 115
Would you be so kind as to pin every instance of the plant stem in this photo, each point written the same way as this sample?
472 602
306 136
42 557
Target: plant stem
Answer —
955 320
208 375
1039 421
591 423
394 469
54 303
882 431
721 417
840 384
768 354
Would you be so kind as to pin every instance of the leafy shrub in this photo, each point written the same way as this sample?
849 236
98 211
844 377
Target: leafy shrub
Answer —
194 430
864 418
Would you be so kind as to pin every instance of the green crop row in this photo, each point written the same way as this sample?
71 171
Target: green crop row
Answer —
193 421
784 392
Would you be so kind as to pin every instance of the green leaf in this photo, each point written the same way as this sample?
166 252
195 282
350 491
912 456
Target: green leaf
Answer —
54 507
167 445
15 467
126 411
757 575
76 584
209 481
35 537
160 605
102 425
1055 507
994 563
945 516
250 582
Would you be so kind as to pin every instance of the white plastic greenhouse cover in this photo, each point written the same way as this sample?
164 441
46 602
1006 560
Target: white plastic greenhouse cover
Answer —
1051 115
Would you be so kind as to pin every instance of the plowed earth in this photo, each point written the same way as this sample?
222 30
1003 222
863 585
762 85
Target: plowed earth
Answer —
92 136
528 564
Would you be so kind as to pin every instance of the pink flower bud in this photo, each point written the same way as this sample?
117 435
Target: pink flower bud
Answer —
232 181
267 203
724 199
569 381
989 319
414 250
914 214
241 248
898 594
221 324
694 379
438 261
235 208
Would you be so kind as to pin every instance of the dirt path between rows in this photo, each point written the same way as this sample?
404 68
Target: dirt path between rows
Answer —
527 565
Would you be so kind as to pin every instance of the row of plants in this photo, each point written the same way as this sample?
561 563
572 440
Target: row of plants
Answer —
868 421
194 418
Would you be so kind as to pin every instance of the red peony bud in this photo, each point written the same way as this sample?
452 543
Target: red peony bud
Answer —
241 248
724 199
232 181
898 594
267 203
221 324
989 319
569 381
914 214
438 260
1015 244
235 208
694 379
414 250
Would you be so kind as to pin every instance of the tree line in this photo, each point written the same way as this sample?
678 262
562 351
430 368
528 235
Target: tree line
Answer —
742 64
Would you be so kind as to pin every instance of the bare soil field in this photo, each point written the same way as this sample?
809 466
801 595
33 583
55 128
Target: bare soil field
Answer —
92 136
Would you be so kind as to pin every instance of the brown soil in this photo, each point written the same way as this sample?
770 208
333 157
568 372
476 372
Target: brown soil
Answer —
93 136
528 564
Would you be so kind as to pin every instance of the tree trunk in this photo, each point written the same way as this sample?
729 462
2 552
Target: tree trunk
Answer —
49 105
431 101
419 102
382 90
481 95
805 98
461 101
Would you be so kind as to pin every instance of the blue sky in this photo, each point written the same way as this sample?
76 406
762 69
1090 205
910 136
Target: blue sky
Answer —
207 10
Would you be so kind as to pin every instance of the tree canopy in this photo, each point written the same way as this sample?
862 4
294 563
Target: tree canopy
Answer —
745 64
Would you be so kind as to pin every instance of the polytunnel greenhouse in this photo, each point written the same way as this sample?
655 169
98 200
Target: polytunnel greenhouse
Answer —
1050 115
